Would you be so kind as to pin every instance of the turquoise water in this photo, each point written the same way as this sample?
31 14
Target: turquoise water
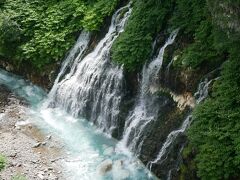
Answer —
86 147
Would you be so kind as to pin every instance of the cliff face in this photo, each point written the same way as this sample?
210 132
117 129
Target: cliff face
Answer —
174 95
226 14
45 79
208 32
197 54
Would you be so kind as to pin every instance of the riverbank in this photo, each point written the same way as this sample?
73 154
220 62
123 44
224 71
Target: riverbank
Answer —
29 152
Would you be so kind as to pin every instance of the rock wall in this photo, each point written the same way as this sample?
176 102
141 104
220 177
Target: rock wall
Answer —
44 79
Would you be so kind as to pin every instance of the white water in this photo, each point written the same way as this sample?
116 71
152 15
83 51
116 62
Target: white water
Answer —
93 88
200 95
168 69
85 145
71 61
146 110
89 86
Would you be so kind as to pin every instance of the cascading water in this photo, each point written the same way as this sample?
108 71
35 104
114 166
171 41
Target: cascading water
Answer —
146 108
92 84
168 69
84 146
71 61
93 88
200 95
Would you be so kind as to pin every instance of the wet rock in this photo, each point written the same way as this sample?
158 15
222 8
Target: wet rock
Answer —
105 167
118 164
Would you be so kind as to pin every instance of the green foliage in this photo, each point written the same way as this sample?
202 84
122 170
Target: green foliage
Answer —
40 32
133 47
188 14
10 34
2 162
2 3
202 50
18 177
195 22
215 131
149 17
95 15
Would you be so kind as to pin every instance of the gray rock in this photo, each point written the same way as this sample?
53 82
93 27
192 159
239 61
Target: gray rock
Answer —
36 145
105 167
41 176
44 143
13 155
50 168
49 137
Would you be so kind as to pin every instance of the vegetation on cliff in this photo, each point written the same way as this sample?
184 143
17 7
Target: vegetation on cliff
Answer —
215 131
210 30
134 46
40 32
194 19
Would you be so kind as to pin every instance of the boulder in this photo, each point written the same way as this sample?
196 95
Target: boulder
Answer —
105 167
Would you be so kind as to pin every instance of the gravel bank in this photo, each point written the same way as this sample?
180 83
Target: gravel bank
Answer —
29 152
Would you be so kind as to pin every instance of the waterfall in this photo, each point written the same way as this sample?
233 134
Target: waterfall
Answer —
93 87
200 95
168 69
71 61
146 110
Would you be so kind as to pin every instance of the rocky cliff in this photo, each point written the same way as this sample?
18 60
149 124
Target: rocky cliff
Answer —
209 31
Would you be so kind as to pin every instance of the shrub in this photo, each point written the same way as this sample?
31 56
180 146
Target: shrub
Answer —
40 32
2 162
215 131
134 46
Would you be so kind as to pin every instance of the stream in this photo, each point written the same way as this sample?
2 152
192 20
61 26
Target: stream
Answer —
90 154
